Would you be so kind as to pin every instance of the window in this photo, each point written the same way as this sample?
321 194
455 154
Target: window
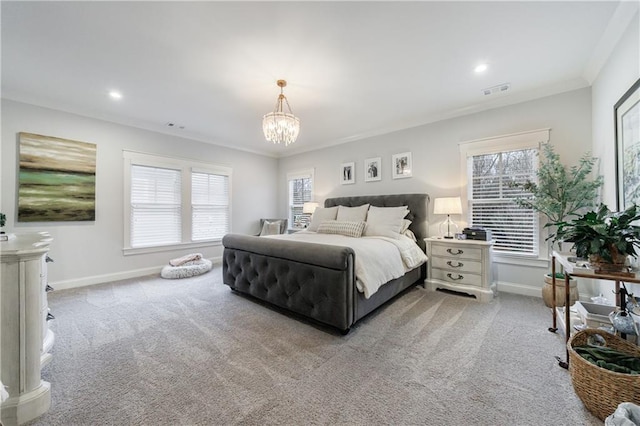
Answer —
300 185
491 199
209 206
171 202
492 166
155 204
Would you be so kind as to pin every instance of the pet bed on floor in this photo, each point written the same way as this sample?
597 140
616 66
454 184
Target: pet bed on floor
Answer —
188 269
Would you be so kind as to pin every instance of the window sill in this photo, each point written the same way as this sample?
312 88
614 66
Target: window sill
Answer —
129 251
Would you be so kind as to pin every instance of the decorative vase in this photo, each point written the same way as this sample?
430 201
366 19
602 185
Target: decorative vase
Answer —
547 291
623 322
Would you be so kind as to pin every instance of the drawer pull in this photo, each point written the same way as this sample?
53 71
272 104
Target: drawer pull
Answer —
459 265
459 277
458 251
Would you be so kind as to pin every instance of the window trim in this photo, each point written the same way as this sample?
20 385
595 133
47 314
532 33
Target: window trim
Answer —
186 166
511 142
299 174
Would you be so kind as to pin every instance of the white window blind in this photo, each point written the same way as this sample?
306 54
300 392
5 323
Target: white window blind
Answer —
209 206
174 203
300 192
156 210
491 199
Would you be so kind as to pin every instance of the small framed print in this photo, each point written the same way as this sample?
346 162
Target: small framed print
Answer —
401 165
348 173
372 169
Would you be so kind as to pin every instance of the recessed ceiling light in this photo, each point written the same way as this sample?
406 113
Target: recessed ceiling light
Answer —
115 94
481 68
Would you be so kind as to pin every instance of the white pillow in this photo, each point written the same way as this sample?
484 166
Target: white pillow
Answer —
385 221
405 225
352 214
350 229
321 214
270 228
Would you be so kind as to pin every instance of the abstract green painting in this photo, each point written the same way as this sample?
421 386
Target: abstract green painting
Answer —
57 179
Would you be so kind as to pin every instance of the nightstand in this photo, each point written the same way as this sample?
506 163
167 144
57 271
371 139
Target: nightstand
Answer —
461 265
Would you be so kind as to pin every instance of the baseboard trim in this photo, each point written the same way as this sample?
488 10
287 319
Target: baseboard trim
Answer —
521 289
116 276
526 290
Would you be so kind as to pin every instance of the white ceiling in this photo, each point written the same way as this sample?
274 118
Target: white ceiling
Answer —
354 69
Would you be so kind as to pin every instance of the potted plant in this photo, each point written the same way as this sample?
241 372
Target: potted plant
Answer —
558 193
3 220
603 237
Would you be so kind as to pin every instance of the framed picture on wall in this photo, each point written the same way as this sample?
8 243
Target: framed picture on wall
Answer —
401 165
372 169
348 173
57 179
627 135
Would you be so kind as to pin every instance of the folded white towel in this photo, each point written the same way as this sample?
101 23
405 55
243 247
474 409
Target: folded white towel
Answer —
184 259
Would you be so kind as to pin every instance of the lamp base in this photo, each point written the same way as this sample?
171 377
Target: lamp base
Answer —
448 228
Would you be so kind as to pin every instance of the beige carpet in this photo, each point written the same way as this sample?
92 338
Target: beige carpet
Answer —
190 352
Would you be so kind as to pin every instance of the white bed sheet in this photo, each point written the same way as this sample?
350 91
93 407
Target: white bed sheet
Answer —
378 259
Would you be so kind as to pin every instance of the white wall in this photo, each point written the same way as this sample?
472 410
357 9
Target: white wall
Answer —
621 70
436 165
91 252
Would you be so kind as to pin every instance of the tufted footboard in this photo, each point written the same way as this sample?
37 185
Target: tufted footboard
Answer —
313 280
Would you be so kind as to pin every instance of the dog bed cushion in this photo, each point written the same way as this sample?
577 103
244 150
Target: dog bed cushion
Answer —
186 270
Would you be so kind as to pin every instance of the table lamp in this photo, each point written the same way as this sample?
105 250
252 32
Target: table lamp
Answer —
307 210
309 207
448 206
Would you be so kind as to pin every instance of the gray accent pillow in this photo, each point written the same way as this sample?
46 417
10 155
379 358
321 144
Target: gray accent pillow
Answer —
321 214
270 228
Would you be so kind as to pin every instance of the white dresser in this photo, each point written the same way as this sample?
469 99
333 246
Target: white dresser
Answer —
461 265
25 338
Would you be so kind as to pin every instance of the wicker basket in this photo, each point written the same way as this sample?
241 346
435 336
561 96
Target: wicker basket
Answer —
601 390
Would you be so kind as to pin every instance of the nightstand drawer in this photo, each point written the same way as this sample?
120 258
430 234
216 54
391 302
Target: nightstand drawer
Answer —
464 278
457 265
457 252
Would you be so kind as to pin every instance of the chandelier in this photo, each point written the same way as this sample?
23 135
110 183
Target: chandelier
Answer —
279 126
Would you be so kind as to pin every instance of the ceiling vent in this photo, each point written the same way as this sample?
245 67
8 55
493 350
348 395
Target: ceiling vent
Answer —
500 88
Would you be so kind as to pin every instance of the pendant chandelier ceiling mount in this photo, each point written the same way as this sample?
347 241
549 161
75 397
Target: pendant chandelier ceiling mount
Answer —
280 126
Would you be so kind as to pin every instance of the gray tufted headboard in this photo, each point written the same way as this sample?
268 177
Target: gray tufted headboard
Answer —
417 204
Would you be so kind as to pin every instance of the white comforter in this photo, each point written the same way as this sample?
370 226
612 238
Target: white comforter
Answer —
378 259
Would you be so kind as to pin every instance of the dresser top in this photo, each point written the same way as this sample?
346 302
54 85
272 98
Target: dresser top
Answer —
27 243
456 241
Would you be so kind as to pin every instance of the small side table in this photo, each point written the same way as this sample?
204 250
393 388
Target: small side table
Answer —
461 265
571 269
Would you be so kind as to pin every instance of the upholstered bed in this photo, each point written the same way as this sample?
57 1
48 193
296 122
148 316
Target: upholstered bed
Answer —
314 280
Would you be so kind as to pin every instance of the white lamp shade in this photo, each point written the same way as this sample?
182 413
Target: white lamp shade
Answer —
447 205
309 207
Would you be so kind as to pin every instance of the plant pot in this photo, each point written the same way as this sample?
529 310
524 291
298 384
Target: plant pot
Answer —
547 291
602 265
